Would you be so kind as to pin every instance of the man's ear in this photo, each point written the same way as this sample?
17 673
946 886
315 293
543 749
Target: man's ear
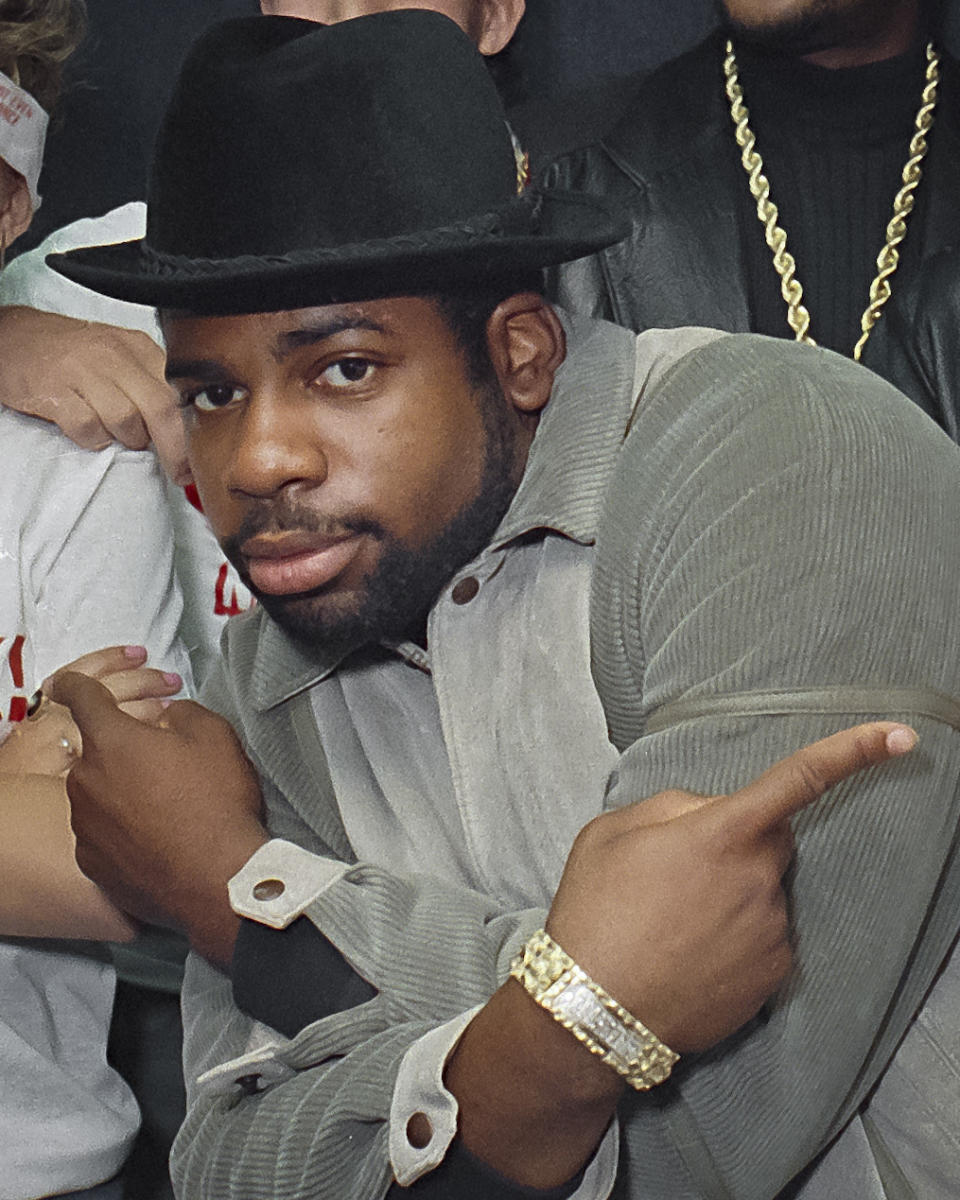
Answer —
16 212
500 21
527 345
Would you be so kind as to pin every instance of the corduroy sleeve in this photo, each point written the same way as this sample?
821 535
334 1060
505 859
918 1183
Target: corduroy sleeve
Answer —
783 529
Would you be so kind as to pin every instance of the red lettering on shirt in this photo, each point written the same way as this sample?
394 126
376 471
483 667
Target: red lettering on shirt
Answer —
220 607
18 704
16 660
190 491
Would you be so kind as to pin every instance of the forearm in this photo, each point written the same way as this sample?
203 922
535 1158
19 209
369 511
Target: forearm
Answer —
43 893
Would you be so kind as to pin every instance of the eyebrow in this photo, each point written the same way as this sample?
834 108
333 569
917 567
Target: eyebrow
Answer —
284 344
196 368
318 331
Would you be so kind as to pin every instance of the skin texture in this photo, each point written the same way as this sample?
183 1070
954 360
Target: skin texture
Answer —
490 23
830 33
328 441
113 389
16 208
42 890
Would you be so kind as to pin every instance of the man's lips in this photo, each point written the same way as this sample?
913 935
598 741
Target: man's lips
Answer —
287 563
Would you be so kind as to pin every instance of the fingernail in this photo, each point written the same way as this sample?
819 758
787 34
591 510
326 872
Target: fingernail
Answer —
172 678
135 653
901 739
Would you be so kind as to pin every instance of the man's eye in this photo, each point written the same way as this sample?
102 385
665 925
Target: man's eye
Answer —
211 397
347 372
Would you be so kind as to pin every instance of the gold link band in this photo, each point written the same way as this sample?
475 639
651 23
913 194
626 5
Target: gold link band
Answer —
591 1014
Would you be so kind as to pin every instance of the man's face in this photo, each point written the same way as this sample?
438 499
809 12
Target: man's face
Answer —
468 14
809 26
345 458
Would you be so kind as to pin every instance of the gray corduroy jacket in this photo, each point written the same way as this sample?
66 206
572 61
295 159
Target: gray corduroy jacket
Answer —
776 558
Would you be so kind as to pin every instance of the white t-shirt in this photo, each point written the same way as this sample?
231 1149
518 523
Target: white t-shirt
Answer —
93 547
211 588
86 560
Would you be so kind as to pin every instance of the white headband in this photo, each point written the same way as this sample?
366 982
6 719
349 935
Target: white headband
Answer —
23 129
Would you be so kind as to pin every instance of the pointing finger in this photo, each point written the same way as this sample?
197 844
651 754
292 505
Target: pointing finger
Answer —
794 782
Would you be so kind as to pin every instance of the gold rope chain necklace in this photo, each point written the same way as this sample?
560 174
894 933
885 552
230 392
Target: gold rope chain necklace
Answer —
888 259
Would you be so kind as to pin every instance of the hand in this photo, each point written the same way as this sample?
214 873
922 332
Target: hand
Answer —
675 905
98 383
163 814
48 742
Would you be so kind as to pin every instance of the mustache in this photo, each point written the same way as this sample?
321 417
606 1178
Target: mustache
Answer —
291 518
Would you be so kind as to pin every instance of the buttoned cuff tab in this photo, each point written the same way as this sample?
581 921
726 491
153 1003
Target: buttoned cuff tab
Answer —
279 881
253 1072
423 1114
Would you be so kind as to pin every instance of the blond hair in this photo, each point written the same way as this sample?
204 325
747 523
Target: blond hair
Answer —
36 39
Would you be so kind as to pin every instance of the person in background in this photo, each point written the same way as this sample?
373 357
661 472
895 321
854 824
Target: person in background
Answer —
785 177
85 560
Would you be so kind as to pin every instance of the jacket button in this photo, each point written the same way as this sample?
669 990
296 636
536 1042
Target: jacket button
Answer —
464 591
268 889
419 1131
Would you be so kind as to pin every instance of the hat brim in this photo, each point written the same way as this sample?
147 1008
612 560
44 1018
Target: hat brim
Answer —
569 225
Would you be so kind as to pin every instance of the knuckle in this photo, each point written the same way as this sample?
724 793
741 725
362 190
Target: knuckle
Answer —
592 832
863 750
810 775
86 431
129 429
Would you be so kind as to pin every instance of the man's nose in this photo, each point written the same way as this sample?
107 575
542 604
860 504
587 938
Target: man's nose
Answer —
274 447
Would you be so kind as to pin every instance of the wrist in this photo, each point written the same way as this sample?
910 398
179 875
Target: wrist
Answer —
206 916
534 1103
595 1018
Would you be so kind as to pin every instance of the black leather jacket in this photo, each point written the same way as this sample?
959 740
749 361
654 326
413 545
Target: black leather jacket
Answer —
669 165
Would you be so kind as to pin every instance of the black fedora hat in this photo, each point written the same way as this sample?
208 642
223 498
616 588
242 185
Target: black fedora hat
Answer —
304 164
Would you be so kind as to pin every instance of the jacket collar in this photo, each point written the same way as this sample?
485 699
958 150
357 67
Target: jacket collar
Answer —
579 435
572 455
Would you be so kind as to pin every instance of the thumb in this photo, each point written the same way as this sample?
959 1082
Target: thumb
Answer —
803 777
91 705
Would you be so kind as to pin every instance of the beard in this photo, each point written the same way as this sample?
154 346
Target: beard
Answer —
399 592
819 25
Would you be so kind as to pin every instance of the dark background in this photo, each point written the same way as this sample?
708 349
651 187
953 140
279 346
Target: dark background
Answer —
100 142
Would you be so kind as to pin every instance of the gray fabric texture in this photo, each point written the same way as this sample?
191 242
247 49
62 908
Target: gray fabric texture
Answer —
776 519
